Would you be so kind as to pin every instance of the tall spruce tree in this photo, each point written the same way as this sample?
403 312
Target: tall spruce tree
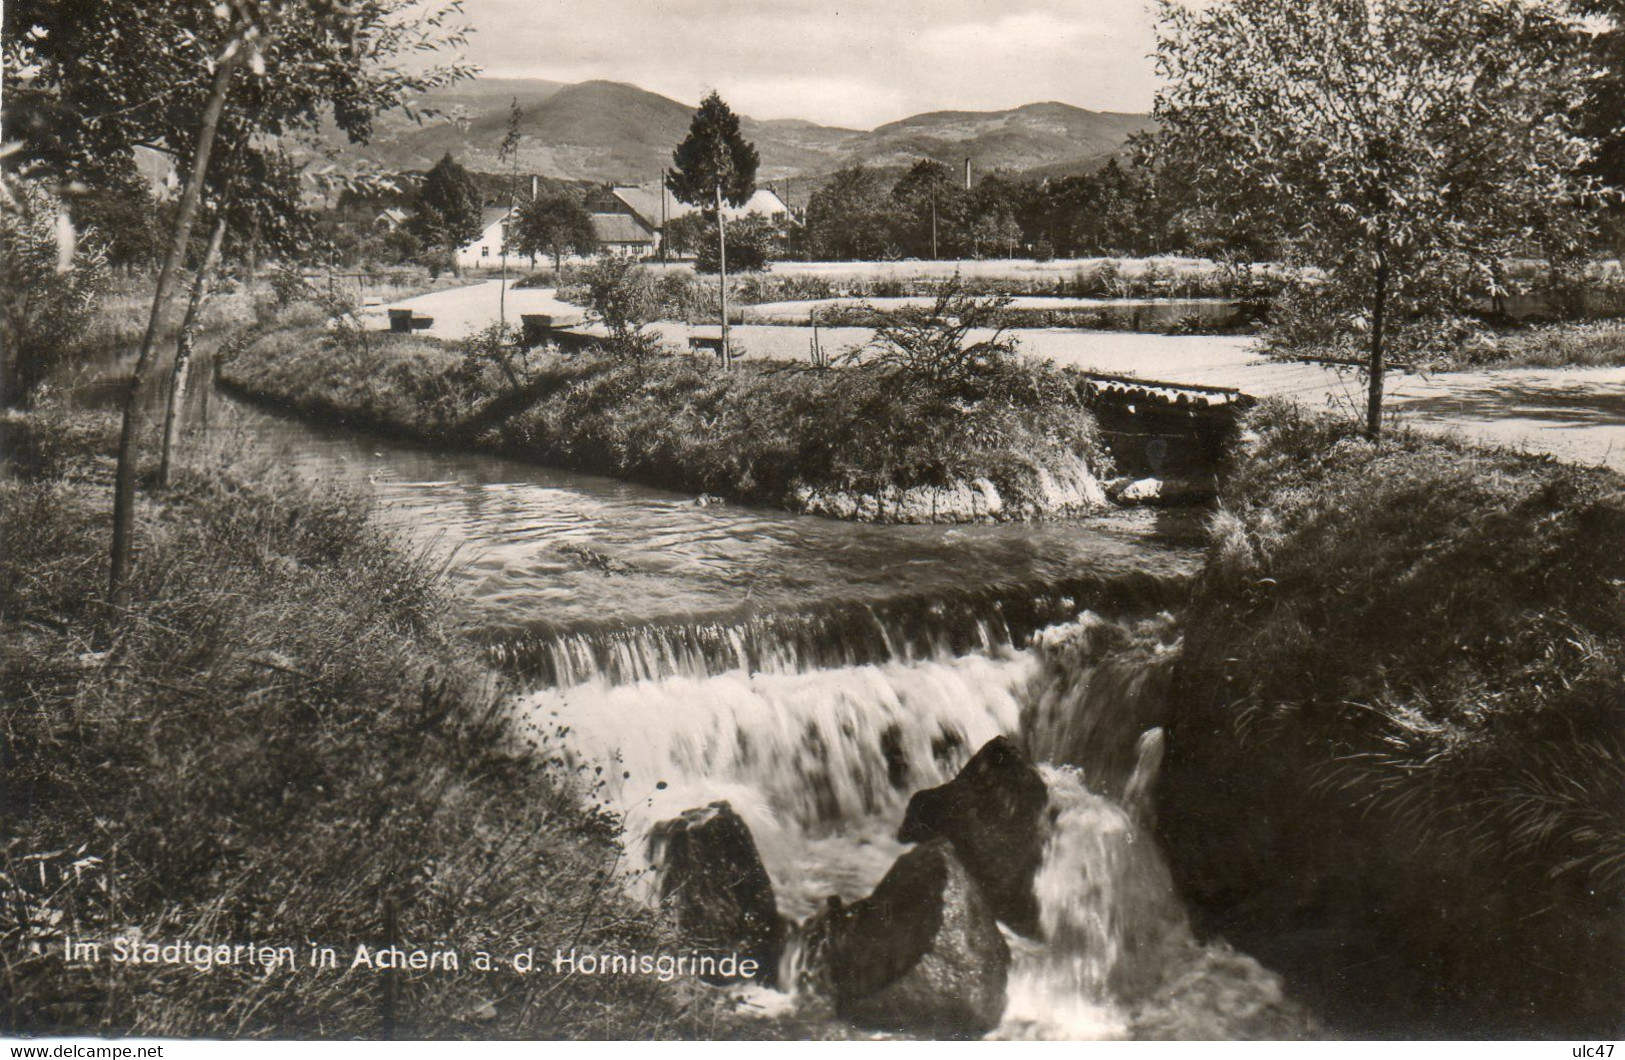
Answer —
715 165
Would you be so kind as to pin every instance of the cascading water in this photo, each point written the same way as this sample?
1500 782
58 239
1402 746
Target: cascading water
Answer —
819 753
838 668
820 764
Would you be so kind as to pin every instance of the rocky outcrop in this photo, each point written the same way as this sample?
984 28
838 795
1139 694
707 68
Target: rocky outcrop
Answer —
1069 489
712 879
994 814
921 954
1161 492
977 501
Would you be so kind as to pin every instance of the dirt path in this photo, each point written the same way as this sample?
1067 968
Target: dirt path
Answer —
461 311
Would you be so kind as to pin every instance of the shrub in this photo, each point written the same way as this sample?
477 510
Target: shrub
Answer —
49 284
751 243
934 344
622 295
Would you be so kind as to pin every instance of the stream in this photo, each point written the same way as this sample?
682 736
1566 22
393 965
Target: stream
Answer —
816 673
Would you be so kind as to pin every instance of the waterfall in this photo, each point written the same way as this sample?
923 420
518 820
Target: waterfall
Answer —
818 744
827 637
819 764
1099 685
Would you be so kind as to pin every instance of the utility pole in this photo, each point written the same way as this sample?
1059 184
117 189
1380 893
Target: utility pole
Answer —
722 277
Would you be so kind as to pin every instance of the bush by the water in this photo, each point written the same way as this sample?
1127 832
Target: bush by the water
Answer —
764 432
277 740
1396 765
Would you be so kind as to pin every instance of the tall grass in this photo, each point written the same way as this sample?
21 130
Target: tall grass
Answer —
280 739
1397 766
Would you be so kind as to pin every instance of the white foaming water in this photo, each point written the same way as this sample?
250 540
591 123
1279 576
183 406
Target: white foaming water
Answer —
821 763
1112 925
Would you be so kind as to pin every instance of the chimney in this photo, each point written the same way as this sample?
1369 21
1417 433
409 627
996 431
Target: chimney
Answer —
967 174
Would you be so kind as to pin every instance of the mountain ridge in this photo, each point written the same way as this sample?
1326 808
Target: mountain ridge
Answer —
618 132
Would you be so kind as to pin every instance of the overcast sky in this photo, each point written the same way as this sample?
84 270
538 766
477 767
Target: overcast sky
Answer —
857 63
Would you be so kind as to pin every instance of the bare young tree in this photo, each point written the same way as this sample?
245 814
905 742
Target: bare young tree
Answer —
303 59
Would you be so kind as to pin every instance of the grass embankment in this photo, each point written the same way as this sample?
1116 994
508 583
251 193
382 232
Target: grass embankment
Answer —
1396 764
864 441
279 735
1595 345
1221 320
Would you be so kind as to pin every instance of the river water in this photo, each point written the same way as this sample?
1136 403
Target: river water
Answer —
815 673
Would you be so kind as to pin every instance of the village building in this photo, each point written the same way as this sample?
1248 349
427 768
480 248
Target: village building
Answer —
651 207
629 221
485 250
392 219
625 235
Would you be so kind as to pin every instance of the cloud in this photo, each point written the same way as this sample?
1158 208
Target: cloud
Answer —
857 63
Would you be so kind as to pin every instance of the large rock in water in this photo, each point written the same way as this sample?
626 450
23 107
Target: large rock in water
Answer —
993 812
713 880
922 953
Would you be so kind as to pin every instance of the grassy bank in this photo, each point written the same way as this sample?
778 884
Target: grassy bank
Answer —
1396 765
1595 345
1238 320
279 741
865 441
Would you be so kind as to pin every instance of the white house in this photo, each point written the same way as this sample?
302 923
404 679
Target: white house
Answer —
486 250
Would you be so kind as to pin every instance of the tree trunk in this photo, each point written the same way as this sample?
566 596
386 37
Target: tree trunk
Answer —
183 348
1373 408
124 480
722 278
253 263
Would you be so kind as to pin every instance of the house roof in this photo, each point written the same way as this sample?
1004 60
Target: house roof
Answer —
490 215
619 228
644 201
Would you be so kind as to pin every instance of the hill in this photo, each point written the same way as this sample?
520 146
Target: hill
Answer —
1038 134
612 131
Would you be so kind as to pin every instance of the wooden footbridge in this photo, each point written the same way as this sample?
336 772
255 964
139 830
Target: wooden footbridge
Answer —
1163 428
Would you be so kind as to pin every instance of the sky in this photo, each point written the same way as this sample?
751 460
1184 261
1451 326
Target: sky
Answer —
857 63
